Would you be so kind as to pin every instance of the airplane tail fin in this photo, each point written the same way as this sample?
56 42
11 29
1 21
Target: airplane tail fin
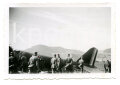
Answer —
89 57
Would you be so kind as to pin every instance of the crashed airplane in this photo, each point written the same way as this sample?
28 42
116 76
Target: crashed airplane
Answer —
89 58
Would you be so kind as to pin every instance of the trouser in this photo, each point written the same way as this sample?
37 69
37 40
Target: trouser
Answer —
69 68
11 69
24 68
81 67
32 69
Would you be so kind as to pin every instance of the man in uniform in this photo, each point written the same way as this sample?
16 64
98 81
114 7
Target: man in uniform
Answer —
58 62
69 62
33 63
39 64
107 65
53 64
24 64
81 64
12 63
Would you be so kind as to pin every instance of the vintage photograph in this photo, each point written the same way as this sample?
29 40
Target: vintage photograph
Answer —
57 40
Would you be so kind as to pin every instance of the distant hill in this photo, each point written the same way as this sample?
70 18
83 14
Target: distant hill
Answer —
107 50
104 54
50 51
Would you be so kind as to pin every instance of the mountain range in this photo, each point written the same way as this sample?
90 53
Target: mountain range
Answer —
50 51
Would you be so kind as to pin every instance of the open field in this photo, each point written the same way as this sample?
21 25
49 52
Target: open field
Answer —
99 68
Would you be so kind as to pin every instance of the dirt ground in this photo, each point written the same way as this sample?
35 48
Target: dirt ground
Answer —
99 68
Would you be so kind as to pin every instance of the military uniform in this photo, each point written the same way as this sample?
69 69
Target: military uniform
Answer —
53 64
58 62
69 66
39 64
33 63
24 64
81 64
12 65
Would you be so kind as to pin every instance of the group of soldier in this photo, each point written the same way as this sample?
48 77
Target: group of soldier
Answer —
56 64
34 64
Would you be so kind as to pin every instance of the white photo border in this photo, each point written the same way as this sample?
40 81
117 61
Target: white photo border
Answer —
111 75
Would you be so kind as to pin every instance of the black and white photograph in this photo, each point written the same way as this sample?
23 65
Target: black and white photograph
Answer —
59 40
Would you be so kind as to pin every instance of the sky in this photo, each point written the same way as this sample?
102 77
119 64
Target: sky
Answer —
79 28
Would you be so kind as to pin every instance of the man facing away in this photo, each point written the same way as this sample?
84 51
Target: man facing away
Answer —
24 64
33 63
53 63
69 62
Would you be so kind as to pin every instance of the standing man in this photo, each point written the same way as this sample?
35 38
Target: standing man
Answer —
24 64
53 64
33 63
69 62
58 63
39 64
11 63
81 64
42 63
